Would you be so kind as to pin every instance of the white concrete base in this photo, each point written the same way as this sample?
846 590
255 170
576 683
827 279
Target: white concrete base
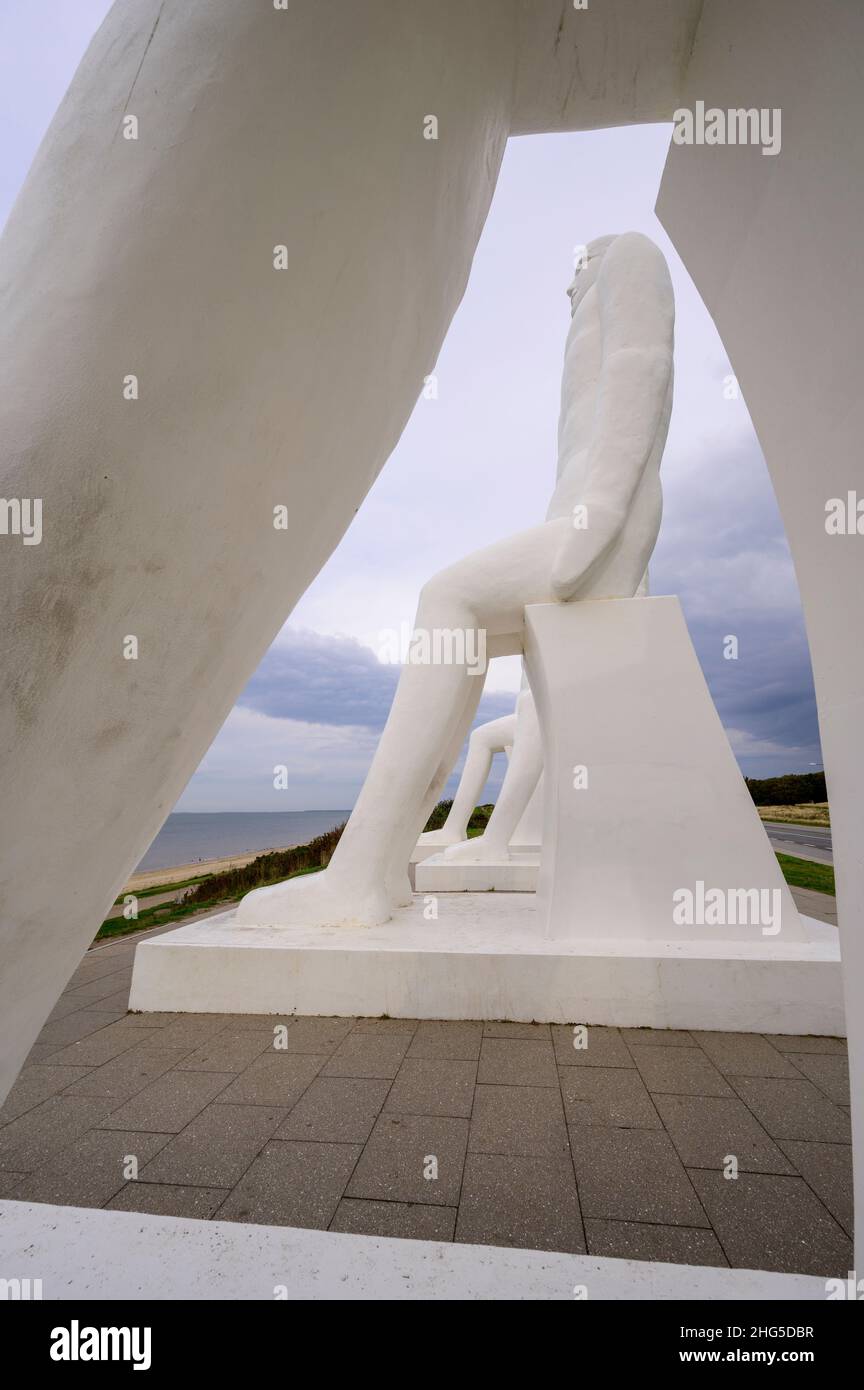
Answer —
83 1254
484 957
518 874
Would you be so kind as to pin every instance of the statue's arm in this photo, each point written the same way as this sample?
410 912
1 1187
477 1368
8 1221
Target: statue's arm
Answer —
637 314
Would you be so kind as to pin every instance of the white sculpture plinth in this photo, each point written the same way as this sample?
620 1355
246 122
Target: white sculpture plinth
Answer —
517 874
645 801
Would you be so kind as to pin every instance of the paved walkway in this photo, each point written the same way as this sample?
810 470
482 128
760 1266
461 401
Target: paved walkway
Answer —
496 1133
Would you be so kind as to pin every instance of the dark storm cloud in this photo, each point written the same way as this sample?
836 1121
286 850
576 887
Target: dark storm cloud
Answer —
334 680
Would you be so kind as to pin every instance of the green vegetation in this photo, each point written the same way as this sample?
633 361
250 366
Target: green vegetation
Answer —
478 822
794 789
804 873
162 888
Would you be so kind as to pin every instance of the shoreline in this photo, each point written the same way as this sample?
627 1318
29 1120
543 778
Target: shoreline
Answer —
178 873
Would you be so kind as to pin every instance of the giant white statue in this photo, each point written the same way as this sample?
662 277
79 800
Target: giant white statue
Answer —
595 543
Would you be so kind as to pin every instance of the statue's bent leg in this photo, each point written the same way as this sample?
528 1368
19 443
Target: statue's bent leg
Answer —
485 741
523 774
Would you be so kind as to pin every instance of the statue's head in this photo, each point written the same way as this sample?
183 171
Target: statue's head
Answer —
588 270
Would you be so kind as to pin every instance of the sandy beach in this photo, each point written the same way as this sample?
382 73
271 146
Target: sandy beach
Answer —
181 872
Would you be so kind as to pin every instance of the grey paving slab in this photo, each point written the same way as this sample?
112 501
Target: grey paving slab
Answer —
830 1074
683 1071
157 1020
193 1030
518 1120
104 987
35 1084
34 1138
581 1046
402 1149
41 1052
90 1171
707 1130
427 1086
613 1097
67 1004
386 1025
368 1054
526 1202
744 1054
793 1109
76 1026
447 1041
401 1220
256 1023
9 1184
168 1104
633 1175
320 1036
216 1148
827 1168
658 1037
336 1110
118 1000
274 1078
633 1240
801 1042
773 1222
516 1030
227 1051
101 1046
126 1075
165 1199
517 1062
291 1184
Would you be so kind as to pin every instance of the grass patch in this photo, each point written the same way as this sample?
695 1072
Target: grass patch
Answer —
164 914
162 888
811 813
804 873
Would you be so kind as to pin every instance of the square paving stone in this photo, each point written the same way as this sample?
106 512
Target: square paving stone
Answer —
658 1037
744 1054
35 1084
516 1062
518 1120
828 1170
275 1078
633 1175
72 1029
192 1030
609 1096
424 1086
101 989
90 1171
830 1074
530 1203
799 1042
336 1110
369 1054
163 1199
217 1147
603 1047
401 1149
633 1240
168 1104
34 1138
682 1071
447 1041
118 1000
517 1030
707 1129
403 1220
292 1185
386 1025
793 1109
102 1046
320 1036
127 1074
768 1222
9 1184
228 1051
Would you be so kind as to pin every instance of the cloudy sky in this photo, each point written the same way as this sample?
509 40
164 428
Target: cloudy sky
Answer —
478 462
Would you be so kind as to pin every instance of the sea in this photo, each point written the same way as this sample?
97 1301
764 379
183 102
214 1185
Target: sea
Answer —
188 836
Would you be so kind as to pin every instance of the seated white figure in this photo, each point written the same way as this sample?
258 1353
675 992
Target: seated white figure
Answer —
599 533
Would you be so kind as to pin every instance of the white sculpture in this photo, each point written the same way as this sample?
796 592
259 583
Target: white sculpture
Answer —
600 530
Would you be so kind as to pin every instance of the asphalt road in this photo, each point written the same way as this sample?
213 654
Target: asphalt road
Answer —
804 841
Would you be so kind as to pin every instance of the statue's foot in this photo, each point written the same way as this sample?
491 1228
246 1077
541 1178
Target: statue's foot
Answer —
439 838
313 900
477 851
399 890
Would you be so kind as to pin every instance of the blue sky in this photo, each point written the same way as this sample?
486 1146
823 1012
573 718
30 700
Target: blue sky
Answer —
479 462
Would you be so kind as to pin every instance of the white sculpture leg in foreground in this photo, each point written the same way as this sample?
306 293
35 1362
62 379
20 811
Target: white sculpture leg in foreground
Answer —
601 529
651 833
